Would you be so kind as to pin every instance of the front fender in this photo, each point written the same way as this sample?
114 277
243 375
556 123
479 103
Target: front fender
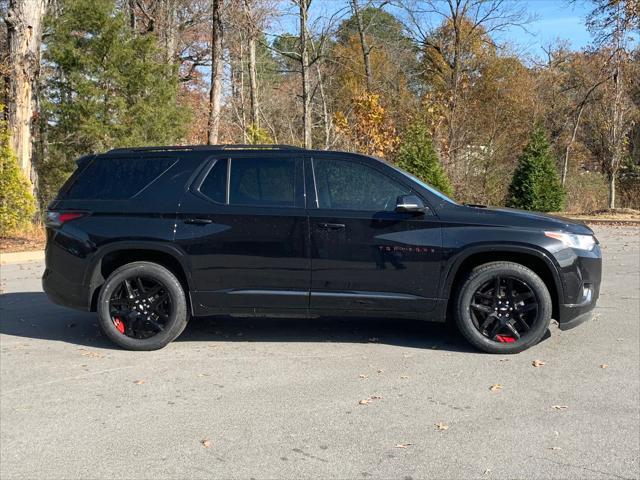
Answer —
495 249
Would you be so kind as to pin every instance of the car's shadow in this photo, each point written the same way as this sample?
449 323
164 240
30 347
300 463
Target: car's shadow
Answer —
32 315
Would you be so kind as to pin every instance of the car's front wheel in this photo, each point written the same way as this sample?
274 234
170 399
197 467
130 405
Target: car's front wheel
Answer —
503 307
142 306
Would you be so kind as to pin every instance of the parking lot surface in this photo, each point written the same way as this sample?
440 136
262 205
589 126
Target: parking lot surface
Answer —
322 398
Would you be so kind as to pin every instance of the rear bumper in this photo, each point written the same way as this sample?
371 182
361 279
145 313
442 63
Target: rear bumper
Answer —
63 278
63 292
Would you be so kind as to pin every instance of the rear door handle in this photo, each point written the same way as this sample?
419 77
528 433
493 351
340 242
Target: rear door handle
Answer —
198 221
331 226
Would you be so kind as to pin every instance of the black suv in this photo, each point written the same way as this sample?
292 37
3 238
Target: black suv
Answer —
148 237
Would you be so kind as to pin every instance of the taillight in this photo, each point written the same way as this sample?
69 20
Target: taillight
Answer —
57 219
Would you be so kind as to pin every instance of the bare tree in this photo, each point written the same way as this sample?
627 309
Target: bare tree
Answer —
252 32
611 23
24 37
215 93
363 29
467 22
366 49
303 6
576 122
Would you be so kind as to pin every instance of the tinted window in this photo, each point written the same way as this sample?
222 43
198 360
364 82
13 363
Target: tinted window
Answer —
117 178
263 182
347 185
215 185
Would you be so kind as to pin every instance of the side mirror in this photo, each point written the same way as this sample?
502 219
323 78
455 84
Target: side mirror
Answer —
410 204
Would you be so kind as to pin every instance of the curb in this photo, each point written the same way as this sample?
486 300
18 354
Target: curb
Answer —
619 223
18 257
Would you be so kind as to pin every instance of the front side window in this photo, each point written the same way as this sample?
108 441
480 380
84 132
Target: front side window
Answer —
349 185
262 182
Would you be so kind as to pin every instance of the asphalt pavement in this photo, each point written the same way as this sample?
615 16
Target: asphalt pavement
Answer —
322 398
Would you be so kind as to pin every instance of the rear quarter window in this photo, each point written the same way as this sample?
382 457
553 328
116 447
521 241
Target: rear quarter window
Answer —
116 178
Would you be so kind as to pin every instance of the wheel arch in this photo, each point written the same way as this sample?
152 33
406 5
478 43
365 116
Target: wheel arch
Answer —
113 256
531 258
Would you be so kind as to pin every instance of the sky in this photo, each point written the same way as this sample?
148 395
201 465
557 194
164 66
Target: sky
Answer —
554 19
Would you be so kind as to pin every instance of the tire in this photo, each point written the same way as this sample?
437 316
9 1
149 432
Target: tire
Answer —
469 325
176 319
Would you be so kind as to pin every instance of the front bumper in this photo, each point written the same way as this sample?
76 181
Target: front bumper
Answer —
577 320
581 273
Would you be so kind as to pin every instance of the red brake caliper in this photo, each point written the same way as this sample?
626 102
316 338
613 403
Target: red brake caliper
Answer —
505 339
119 324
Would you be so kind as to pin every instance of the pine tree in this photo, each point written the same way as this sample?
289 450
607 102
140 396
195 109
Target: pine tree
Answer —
535 184
417 156
105 87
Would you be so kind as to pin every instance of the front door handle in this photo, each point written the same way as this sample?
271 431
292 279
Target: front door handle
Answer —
198 221
331 226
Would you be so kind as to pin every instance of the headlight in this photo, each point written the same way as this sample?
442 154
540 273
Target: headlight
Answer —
580 242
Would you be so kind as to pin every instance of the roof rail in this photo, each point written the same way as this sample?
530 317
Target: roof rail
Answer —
226 146
266 146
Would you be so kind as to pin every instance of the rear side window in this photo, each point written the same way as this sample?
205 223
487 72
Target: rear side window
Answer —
214 185
117 178
262 182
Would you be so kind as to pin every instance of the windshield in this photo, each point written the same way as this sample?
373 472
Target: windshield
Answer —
433 190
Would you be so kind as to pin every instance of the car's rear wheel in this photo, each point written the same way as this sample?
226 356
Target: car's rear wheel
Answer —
142 306
503 307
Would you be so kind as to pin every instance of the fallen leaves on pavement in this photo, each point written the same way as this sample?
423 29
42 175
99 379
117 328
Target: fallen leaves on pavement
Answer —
367 401
89 353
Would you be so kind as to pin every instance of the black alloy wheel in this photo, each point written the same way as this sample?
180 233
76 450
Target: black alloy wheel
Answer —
140 307
504 309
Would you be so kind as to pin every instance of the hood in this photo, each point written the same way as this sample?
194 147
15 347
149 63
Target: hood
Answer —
527 219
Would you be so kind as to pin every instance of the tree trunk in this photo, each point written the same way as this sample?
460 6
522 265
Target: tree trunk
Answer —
168 30
253 76
619 121
304 70
253 81
215 94
366 50
326 119
565 166
131 10
612 191
24 35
